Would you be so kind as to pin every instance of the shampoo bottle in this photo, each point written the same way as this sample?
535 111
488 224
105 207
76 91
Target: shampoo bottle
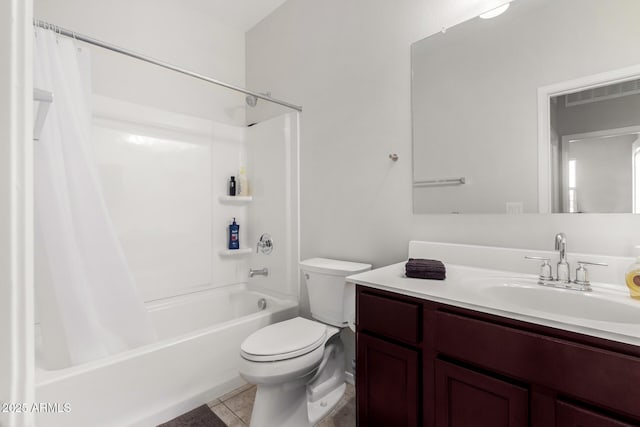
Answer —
632 276
234 235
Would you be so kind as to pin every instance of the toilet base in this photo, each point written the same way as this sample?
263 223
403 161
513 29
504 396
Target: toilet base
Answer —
321 408
280 405
286 405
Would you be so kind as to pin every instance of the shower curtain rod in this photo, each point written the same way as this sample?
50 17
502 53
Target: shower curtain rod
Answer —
113 48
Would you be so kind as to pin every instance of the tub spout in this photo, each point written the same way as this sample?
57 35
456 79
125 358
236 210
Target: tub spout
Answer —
260 272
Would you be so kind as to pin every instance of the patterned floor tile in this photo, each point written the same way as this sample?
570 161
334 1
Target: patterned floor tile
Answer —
226 415
242 404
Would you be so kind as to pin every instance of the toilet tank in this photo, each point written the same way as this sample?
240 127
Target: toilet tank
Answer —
332 300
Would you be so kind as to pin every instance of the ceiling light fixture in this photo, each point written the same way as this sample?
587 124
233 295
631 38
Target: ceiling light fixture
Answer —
495 12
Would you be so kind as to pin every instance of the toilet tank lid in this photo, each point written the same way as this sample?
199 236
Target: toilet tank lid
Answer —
333 266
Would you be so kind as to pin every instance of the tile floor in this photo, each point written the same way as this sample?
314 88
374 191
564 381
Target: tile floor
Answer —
234 408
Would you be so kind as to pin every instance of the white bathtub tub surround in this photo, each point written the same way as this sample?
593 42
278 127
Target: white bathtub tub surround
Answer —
272 161
509 289
165 178
195 361
163 174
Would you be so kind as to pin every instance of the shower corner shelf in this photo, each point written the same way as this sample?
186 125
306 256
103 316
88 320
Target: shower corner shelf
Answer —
235 199
235 252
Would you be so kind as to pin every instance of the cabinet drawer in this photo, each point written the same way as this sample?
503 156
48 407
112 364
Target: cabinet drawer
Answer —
392 318
601 377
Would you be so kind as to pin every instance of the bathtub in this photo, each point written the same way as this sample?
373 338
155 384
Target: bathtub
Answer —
195 360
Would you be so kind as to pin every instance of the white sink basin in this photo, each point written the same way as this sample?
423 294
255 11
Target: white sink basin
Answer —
568 303
526 294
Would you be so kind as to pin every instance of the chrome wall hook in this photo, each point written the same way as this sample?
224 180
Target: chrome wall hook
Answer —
394 157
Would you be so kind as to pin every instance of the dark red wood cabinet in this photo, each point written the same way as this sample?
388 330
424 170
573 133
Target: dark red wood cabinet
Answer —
568 415
391 380
421 363
468 398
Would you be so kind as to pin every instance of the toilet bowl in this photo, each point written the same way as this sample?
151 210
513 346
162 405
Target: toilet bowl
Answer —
298 365
297 380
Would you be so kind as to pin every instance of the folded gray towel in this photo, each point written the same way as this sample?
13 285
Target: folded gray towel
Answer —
425 264
425 269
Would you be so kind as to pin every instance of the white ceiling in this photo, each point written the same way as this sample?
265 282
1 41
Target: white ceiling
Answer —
239 14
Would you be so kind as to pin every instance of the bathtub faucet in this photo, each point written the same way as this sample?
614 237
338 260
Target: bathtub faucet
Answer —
261 272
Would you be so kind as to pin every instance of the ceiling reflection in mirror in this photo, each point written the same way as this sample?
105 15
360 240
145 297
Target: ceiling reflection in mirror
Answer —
476 114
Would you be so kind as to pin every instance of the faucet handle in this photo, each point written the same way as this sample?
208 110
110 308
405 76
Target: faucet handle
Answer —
545 267
582 274
265 244
603 264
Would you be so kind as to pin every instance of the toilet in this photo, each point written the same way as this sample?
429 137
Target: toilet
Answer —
298 365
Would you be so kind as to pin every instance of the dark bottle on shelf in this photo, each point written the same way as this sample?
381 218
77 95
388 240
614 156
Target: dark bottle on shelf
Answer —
232 186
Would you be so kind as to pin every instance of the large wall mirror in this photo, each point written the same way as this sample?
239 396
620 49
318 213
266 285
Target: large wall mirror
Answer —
536 110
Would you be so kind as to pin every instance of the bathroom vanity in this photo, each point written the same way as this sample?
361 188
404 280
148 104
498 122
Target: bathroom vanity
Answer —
471 351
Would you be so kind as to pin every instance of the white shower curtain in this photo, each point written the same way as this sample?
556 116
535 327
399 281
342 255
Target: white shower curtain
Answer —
88 283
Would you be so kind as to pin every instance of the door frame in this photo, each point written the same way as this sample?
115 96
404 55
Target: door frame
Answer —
545 93
16 212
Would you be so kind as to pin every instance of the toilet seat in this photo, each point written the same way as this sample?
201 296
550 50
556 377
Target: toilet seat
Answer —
284 340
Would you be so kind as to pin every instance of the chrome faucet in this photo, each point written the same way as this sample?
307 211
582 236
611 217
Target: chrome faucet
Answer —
260 272
563 265
563 279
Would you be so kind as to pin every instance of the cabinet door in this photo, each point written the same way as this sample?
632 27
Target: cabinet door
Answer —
466 398
568 415
388 378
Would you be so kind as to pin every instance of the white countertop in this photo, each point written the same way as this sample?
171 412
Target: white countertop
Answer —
466 287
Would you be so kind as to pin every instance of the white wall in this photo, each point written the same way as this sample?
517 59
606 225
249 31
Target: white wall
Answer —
167 30
348 65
